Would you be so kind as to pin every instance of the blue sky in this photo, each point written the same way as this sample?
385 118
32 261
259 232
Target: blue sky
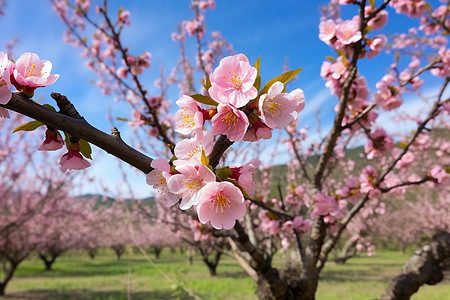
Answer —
275 30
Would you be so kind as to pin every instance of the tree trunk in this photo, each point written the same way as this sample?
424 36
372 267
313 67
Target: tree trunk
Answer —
424 267
92 253
157 251
48 262
8 274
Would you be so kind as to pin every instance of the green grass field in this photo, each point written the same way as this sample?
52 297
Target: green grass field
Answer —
77 277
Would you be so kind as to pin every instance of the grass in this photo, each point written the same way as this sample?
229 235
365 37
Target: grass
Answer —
76 276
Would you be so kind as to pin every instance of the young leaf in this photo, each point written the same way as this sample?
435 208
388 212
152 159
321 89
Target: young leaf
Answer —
30 126
330 58
204 99
206 83
224 173
122 119
67 139
49 107
85 148
257 83
372 3
205 159
283 78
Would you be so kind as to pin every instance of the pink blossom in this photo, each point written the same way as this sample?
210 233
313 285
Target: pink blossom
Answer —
348 32
53 140
324 205
193 176
189 118
229 121
379 20
245 175
277 109
379 142
376 45
327 31
192 148
73 160
232 81
157 178
368 178
413 8
441 176
31 72
221 203
5 84
299 97
257 130
301 225
388 96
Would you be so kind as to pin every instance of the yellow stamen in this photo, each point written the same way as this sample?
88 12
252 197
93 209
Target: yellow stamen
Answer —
236 80
219 202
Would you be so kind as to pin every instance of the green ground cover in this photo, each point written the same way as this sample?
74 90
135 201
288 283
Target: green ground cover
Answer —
77 277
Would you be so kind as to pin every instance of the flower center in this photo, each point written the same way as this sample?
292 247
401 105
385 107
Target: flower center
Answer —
236 80
219 202
230 120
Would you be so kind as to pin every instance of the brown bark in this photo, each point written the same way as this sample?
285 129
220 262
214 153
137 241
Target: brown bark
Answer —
424 267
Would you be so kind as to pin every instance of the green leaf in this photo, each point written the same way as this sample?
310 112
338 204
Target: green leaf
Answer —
30 126
206 83
205 159
447 170
204 99
257 83
49 106
67 139
330 58
284 78
344 58
372 3
85 148
223 173
122 119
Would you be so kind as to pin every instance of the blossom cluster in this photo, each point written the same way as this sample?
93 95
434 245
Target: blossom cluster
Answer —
237 111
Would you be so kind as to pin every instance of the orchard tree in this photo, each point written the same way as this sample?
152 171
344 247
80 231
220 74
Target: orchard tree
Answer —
235 105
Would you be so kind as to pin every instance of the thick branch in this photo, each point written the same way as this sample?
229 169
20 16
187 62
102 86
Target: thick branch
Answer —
81 129
424 267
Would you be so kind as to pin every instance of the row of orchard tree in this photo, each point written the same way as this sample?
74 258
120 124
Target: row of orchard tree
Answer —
41 213
397 187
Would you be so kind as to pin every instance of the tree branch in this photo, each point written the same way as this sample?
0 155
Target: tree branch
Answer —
80 128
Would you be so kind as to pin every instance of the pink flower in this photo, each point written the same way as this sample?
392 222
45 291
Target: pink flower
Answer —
245 175
376 45
277 109
348 32
221 203
31 72
5 83
301 225
157 178
4 113
257 130
327 31
441 176
232 81
299 97
73 160
379 20
379 142
190 181
368 178
325 205
229 121
53 141
189 118
406 160
192 148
